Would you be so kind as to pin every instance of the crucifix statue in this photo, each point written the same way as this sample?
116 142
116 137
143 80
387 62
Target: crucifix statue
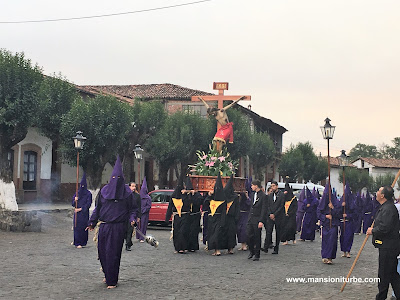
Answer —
224 128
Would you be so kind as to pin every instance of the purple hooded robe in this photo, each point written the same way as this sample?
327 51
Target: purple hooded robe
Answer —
114 208
346 224
310 205
146 206
82 217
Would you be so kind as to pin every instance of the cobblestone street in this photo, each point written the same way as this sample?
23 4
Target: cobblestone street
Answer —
45 266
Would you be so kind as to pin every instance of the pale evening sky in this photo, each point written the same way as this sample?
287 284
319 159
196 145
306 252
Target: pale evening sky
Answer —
301 61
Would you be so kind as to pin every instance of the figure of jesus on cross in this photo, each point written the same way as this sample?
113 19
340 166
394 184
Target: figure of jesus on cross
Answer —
225 128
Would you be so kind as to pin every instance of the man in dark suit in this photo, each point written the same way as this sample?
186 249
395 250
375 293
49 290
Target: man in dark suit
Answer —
274 216
138 203
256 220
385 237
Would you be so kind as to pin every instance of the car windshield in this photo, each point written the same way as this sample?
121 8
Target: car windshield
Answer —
161 196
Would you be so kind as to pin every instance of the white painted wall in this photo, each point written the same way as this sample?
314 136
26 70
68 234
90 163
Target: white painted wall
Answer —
33 137
7 196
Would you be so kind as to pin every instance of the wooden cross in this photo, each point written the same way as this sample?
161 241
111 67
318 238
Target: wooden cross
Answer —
221 87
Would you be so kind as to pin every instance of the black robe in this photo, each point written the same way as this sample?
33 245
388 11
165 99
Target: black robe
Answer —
180 224
194 221
230 227
289 223
215 228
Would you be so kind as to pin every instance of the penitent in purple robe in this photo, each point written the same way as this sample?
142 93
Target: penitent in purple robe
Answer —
115 206
245 204
82 217
300 210
146 206
329 229
346 224
368 216
357 220
310 205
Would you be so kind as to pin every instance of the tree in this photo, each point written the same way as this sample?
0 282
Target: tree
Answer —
177 140
107 123
19 86
292 163
382 180
241 134
363 150
300 163
392 152
261 152
310 160
320 171
56 96
356 179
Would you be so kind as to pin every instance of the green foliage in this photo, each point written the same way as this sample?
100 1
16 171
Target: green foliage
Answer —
300 162
19 85
241 134
292 163
363 150
106 122
261 152
181 135
56 96
392 152
212 163
149 117
382 180
356 179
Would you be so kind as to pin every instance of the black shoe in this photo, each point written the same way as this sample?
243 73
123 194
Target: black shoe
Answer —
275 252
250 255
128 248
265 250
256 258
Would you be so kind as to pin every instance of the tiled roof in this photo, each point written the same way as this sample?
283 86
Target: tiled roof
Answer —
381 163
335 162
147 91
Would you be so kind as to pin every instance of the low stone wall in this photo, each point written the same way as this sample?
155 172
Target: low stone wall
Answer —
20 221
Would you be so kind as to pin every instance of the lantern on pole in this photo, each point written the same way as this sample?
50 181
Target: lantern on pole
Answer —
79 141
138 151
327 133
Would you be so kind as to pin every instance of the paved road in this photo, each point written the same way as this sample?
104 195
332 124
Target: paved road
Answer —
45 266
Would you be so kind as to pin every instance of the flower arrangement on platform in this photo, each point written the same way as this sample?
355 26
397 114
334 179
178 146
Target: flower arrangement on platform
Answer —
214 162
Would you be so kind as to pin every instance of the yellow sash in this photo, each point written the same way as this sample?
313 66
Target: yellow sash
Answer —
178 205
287 205
214 205
228 206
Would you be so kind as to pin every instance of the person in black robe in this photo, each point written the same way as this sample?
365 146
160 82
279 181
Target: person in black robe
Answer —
195 199
179 207
205 210
232 216
216 218
289 219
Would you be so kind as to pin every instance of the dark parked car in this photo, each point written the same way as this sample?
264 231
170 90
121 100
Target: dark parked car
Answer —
159 205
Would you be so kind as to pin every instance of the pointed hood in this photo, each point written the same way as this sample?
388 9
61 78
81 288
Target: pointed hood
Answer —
309 196
144 192
229 191
188 183
288 192
247 185
83 186
325 197
177 194
116 188
219 190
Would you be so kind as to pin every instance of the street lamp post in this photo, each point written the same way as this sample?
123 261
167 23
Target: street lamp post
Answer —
327 132
79 141
139 156
343 160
